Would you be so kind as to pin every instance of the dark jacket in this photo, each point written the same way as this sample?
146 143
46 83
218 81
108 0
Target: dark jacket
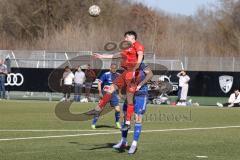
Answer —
90 75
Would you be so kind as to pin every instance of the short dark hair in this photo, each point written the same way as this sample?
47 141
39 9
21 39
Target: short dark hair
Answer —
132 33
67 67
113 64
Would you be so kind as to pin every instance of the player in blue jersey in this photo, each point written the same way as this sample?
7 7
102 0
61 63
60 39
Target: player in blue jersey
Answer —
140 103
103 86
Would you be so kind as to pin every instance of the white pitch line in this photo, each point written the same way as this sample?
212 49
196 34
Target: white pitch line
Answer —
190 129
202 156
51 130
78 130
60 136
109 133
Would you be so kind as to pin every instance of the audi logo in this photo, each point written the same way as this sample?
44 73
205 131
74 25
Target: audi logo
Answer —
14 79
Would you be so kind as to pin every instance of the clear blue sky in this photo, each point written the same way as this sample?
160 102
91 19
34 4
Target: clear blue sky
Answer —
186 7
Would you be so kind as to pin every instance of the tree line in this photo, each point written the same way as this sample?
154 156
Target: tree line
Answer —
66 25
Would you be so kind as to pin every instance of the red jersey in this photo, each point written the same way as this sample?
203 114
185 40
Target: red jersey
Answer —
130 55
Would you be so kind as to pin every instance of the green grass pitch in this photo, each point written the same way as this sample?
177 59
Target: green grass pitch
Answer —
169 133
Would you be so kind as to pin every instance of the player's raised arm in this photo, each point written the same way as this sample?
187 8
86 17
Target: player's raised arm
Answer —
179 74
149 75
100 83
108 56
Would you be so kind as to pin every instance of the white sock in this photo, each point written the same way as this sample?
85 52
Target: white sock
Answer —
127 122
134 143
97 108
124 140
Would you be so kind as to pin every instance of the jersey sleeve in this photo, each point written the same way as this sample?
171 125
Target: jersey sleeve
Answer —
102 78
139 47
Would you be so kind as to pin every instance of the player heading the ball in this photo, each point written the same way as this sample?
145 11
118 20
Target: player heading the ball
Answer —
132 62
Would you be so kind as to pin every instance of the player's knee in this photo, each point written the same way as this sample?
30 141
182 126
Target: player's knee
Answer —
112 88
138 121
130 98
138 118
131 88
129 102
117 108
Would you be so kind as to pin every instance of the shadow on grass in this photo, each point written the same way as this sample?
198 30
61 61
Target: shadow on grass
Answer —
105 126
102 146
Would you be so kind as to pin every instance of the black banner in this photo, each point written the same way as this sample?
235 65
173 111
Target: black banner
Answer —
208 83
201 84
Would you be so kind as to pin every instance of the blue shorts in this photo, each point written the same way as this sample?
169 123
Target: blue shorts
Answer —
114 100
142 66
140 104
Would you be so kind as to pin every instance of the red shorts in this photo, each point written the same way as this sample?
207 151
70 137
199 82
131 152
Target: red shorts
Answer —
129 80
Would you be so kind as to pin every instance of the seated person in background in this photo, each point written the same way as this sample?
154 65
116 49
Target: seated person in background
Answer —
233 100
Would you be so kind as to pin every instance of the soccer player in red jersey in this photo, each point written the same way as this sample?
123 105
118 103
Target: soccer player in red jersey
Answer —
132 62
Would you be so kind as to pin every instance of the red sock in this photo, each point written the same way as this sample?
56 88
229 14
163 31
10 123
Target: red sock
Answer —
130 110
106 98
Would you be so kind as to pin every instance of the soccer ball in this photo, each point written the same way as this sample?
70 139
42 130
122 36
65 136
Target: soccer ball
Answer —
94 10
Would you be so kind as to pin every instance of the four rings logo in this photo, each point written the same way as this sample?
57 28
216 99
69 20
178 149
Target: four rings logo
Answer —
14 79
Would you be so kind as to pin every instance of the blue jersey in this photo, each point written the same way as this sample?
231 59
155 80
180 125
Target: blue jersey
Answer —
106 80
